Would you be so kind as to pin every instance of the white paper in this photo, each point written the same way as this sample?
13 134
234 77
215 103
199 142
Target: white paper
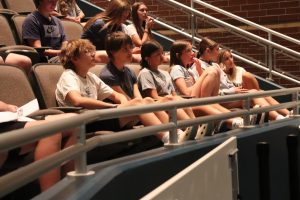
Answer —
21 113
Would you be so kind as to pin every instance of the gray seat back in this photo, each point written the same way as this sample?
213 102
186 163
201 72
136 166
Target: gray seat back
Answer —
45 77
15 87
72 30
20 6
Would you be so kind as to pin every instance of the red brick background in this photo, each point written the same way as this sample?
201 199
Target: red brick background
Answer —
280 15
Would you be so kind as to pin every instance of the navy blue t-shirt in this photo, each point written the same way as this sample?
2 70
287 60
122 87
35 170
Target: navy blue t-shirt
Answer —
97 33
49 31
114 77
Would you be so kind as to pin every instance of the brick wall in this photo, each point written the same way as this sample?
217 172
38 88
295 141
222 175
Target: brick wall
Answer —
280 15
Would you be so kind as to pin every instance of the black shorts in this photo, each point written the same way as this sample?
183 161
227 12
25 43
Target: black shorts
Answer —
104 125
3 55
10 126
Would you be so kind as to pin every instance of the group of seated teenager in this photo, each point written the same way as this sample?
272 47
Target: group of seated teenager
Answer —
43 28
106 39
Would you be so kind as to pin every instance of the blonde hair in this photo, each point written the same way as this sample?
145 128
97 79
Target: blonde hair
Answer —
112 13
232 77
74 49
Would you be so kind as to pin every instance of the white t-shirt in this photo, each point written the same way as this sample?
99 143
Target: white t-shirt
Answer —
131 30
237 76
91 86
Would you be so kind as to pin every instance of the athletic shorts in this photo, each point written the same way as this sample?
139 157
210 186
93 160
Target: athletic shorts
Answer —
10 126
104 125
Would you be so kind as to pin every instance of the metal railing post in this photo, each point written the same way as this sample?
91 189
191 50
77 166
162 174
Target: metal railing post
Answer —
193 24
247 106
173 139
270 58
80 161
295 97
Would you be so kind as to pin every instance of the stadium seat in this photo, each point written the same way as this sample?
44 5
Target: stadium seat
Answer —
72 30
17 21
9 43
45 77
20 6
15 88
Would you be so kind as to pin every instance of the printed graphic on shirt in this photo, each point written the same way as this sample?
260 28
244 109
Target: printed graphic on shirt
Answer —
51 31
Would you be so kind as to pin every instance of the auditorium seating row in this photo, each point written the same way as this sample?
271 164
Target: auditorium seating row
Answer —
17 6
11 34
19 88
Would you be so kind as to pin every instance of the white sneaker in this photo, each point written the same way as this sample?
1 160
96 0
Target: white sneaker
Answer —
202 129
184 135
237 123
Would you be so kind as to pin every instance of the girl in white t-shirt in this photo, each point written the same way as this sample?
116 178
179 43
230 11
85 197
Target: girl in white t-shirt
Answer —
140 30
241 78
208 54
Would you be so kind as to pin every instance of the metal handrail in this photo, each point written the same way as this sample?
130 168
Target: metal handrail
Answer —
19 137
241 31
163 24
250 23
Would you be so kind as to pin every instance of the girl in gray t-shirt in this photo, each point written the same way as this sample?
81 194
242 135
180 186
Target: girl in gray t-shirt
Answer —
157 84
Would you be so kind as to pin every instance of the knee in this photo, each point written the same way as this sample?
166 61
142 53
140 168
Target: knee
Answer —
20 60
213 72
148 100
137 101
169 98
253 90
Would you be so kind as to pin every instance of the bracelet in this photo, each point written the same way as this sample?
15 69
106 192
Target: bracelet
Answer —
145 31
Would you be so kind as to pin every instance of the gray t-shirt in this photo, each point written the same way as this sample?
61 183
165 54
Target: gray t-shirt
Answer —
188 75
159 80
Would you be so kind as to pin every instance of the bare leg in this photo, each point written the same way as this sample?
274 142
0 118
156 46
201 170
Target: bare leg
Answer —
181 113
19 60
161 115
207 85
44 148
69 140
272 101
249 81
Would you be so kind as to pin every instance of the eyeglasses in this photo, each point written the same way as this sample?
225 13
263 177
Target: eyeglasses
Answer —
90 52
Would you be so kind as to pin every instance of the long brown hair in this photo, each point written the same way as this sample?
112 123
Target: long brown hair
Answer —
111 15
176 50
204 44
136 21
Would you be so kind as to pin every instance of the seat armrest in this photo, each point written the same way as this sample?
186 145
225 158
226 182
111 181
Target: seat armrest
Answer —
41 114
41 50
69 109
